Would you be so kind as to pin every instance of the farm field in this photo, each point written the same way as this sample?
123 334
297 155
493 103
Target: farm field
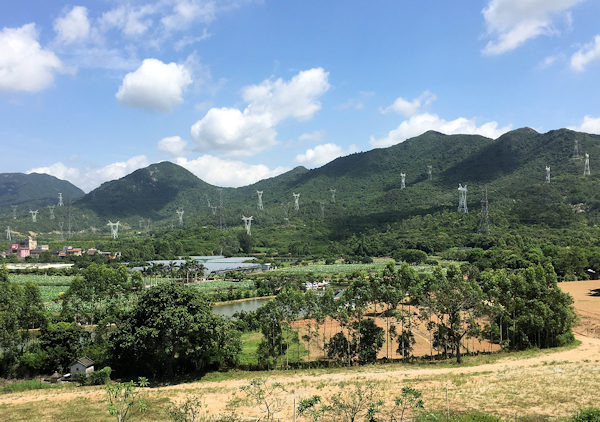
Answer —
326 270
51 286
337 268
531 385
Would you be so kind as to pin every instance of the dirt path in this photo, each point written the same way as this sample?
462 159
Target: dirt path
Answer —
547 383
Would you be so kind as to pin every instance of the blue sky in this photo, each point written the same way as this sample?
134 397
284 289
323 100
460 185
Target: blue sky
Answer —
240 90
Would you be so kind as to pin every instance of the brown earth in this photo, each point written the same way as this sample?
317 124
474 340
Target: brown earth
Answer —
534 384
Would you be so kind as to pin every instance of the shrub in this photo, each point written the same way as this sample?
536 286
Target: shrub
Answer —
587 415
100 377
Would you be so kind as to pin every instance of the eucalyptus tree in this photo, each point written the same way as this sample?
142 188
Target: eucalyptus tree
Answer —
458 302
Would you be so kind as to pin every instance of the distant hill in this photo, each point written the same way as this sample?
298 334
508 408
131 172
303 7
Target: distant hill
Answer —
368 192
34 190
155 192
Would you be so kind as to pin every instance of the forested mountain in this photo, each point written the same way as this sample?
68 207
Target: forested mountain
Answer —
34 190
369 201
152 192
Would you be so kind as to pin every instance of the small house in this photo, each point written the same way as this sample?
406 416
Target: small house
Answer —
82 365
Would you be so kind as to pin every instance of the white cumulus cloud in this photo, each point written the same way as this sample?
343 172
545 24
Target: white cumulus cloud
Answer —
132 21
232 132
322 154
185 12
239 133
24 64
512 22
420 123
174 145
73 27
589 125
90 178
588 53
297 98
316 135
230 173
155 86
409 108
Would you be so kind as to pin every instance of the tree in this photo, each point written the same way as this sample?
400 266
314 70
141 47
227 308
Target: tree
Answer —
410 401
371 341
246 241
170 330
350 404
458 302
272 344
123 397
62 344
266 397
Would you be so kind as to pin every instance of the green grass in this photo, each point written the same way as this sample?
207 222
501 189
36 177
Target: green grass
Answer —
210 285
334 268
42 280
26 386
250 341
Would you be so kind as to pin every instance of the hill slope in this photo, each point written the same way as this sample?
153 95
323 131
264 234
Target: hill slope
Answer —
34 190
152 192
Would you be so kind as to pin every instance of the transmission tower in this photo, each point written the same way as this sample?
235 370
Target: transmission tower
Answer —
208 200
114 229
322 209
260 204
576 149
14 210
484 223
247 224
60 199
34 215
51 209
402 180
429 172
147 227
547 174
332 191
180 212
462 198
8 234
213 209
586 167
296 204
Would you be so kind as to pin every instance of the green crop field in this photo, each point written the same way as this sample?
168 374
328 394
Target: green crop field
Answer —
324 269
50 285
209 285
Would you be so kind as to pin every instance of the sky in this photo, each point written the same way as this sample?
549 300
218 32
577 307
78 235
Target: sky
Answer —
241 90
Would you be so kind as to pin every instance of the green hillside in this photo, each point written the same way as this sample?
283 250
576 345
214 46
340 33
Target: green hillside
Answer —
371 210
28 190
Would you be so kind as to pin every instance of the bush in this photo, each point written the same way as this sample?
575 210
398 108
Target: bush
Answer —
587 415
100 377
412 256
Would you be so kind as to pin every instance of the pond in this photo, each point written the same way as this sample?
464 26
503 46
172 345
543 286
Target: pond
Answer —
228 309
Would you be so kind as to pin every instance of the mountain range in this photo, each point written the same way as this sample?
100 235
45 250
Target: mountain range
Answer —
367 184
